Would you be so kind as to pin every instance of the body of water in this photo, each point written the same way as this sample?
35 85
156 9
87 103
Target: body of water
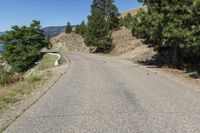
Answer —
1 47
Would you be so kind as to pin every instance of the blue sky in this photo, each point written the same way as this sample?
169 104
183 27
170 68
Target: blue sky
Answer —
50 12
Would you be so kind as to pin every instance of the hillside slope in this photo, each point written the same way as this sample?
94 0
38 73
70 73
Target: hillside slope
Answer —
125 45
68 42
128 47
133 12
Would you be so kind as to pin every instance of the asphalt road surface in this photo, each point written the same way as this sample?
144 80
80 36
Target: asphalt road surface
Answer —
104 95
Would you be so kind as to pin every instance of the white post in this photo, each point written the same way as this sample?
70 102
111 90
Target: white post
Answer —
57 61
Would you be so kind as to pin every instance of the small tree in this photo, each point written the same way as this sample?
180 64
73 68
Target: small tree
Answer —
22 46
68 28
81 29
77 29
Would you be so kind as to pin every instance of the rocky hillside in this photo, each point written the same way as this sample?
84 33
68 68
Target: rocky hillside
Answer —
68 42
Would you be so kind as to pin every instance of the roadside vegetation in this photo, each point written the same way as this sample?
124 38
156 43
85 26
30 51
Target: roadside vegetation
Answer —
14 86
173 29
20 75
103 20
48 61
81 29
69 28
22 46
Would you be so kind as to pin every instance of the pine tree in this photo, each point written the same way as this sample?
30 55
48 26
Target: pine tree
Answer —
77 29
166 27
112 15
68 28
110 11
104 19
98 34
81 29
195 38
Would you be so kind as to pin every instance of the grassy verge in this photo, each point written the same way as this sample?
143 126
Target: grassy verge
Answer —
16 92
12 93
47 62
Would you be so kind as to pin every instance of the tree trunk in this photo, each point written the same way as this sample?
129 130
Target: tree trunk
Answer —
174 59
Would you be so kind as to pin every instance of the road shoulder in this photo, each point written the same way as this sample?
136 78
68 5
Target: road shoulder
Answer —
9 115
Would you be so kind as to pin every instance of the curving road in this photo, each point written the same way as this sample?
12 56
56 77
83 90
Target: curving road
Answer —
105 95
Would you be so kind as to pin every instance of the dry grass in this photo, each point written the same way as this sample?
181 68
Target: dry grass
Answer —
47 62
12 93
133 12
15 92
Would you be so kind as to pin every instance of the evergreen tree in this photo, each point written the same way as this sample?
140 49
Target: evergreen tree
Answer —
77 30
167 27
98 34
110 12
68 28
195 38
113 15
81 29
104 19
22 46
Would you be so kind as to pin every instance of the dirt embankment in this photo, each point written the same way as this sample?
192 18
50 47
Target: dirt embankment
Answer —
128 47
133 12
69 42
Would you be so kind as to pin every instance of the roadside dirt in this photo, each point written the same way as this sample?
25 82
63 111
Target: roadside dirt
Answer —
128 47
188 79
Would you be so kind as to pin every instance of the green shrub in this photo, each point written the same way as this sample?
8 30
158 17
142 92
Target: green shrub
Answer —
33 79
9 77
5 77
22 46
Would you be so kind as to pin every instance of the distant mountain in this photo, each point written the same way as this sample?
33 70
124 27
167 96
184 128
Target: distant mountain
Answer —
55 30
1 33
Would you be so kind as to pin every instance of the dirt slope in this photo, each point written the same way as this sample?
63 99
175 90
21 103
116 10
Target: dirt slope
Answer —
128 47
68 42
133 11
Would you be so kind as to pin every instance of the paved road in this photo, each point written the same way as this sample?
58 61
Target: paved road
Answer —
103 95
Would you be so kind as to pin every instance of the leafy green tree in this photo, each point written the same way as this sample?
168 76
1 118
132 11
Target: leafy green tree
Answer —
22 46
68 28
